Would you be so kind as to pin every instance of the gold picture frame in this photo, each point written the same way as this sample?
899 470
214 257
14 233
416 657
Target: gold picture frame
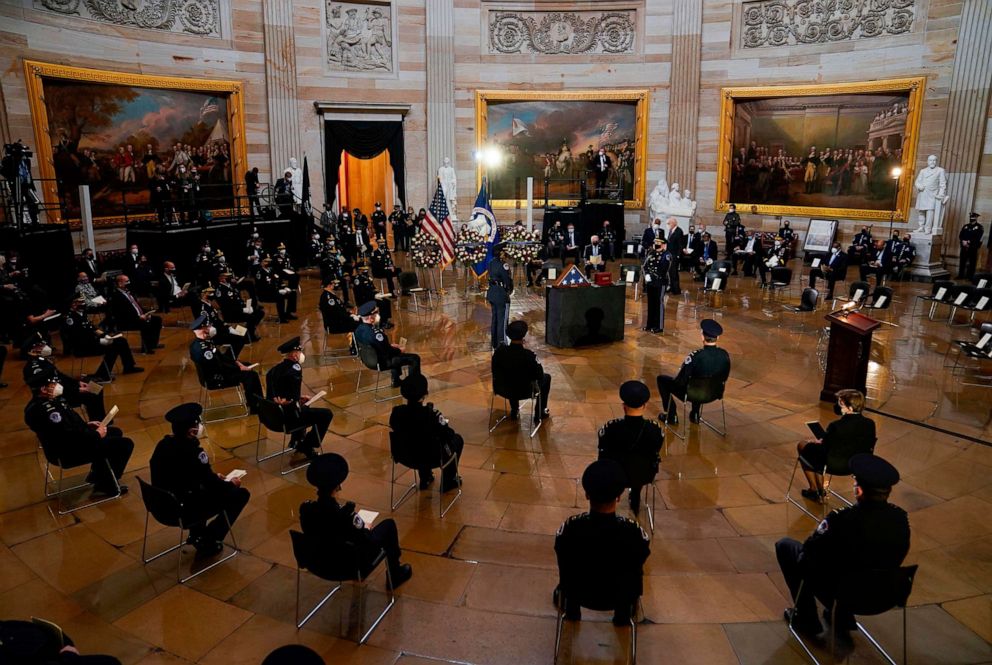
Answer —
640 96
731 98
36 72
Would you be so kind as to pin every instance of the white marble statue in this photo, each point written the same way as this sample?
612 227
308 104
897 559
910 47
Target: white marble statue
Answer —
449 185
294 168
665 203
931 187
658 199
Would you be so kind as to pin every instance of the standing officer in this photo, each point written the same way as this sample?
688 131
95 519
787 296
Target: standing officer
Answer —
872 534
389 356
498 295
971 241
383 266
657 270
731 223
379 225
426 428
709 362
220 369
84 340
283 385
180 466
633 441
77 393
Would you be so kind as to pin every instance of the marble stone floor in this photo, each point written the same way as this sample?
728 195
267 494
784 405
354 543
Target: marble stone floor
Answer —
483 576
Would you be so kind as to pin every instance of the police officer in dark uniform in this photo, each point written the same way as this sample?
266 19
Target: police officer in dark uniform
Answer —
271 289
233 306
379 225
657 271
370 334
39 355
498 295
65 436
221 369
970 238
222 332
600 554
315 249
284 386
633 441
364 291
870 535
518 362
180 466
85 340
36 642
425 427
383 266
328 524
709 361
731 224
282 264
860 245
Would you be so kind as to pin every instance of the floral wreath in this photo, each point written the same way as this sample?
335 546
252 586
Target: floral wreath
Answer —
425 251
470 246
520 253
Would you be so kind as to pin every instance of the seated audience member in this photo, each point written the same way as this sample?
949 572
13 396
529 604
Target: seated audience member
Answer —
270 287
904 256
91 265
84 340
127 314
708 362
383 266
284 386
852 434
423 425
38 642
750 252
65 436
220 368
38 352
283 265
570 245
181 466
831 269
860 246
871 535
600 554
775 256
633 441
363 288
335 315
594 257
92 300
877 263
329 524
390 356
705 253
235 309
519 364
171 291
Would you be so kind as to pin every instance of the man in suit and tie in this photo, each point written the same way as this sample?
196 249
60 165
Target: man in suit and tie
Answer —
750 252
570 249
832 270
127 314
877 263
652 233
594 257
705 251
676 245
601 165
90 265
170 290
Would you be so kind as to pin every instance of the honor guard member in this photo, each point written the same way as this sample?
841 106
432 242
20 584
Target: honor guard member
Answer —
284 385
203 263
222 332
731 222
65 436
40 363
379 225
498 295
220 369
383 266
329 524
520 365
709 362
657 271
179 465
600 554
970 238
871 535
234 308
84 340
425 427
632 441
389 355
283 265
270 289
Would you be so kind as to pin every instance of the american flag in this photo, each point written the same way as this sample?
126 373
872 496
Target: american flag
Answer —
438 224
209 106
573 277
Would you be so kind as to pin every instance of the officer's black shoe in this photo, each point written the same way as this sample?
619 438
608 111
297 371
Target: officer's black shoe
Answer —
133 369
672 418
399 575
307 451
812 495
845 621
694 417
207 547
808 627
291 316
515 414
426 480
283 319
451 484
621 618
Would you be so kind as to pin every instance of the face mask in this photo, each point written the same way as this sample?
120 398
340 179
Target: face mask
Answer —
282 252
211 331
834 250
377 319
45 351
58 390
134 252
303 358
200 430
778 244
222 260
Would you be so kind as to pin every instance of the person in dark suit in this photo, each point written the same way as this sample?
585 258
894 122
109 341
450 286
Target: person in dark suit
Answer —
750 252
270 287
871 535
181 466
608 237
571 244
127 314
556 239
389 355
651 233
904 257
131 260
853 433
251 190
520 364
83 340
633 441
170 290
498 295
876 263
970 240
90 264
594 257
601 165
705 254
832 269
709 361
425 427
775 256
860 246
219 368
284 386
676 245
383 266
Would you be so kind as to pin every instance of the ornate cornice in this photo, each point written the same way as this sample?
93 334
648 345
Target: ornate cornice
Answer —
562 32
771 23
194 17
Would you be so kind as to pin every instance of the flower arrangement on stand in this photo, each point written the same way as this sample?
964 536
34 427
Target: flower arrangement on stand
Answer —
470 247
425 251
523 245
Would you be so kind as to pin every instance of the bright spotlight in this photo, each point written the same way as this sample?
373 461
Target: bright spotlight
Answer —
489 156
896 172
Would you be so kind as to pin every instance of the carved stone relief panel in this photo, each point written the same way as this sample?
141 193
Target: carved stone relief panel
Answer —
195 17
360 36
768 23
562 32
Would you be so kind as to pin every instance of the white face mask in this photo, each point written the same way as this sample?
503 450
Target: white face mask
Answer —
282 252
211 331
45 351
200 430
377 319
303 358
58 390
254 235
834 250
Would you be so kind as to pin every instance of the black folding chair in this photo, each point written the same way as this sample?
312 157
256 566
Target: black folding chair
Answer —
836 466
597 604
701 390
979 302
52 460
207 387
272 417
405 453
507 388
370 360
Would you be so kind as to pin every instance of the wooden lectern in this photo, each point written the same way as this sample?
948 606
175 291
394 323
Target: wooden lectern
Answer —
847 355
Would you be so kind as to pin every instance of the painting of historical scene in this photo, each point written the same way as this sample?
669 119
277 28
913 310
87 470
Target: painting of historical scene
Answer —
359 37
558 140
829 151
132 145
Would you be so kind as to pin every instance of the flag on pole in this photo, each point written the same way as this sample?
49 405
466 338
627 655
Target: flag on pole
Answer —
483 209
438 224
305 194
518 127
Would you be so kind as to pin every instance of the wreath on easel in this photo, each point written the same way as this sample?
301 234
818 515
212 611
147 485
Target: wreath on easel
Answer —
470 247
425 251
522 245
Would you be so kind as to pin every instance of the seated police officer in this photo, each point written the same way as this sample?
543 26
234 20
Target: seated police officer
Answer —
180 466
389 355
65 436
284 386
873 534
221 369
222 333
77 393
270 288
633 441
708 362
85 340
424 426
329 524
365 291
600 554
383 266
337 318
235 309
852 434
521 366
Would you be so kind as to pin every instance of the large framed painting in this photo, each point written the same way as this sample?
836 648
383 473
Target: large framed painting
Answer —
554 136
116 132
843 150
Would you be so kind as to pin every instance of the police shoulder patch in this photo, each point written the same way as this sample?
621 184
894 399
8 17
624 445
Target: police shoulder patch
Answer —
379 337
602 431
506 266
357 521
55 417
296 366
823 526
209 355
203 457
68 320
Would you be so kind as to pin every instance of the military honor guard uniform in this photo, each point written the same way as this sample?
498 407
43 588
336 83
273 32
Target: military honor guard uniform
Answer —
657 272
498 296
633 441
284 385
709 361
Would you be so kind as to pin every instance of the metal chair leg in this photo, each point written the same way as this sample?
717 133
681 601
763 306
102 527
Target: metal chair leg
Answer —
506 412
788 492
392 601
392 482
443 509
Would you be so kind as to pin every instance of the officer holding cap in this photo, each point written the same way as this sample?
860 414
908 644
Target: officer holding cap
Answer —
870 535
180 466
218 367
633 441
284 386
389 355
426 428
708 362
498 295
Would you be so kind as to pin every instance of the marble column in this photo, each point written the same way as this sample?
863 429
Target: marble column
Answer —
280 84
440 87
683 118
964 124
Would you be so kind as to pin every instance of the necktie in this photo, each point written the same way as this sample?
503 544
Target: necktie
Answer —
706 252
134 303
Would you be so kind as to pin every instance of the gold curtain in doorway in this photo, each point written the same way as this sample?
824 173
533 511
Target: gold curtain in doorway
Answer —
365 181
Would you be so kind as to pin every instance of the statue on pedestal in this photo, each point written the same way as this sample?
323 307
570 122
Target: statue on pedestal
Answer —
294 168
931 185
664 202
449 185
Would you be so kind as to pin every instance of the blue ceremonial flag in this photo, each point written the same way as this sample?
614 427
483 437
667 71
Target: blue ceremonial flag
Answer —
483 212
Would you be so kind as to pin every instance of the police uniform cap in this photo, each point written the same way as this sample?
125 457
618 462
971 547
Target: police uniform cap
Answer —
43 378
218 253
660 241
634 394
413 387
293 654
499 247
184 416
290 345
517 330
32 341
366 309
226 273
208 290
378 204
327 471
281 245
201 321
710 328
974 215
603 480
872 471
